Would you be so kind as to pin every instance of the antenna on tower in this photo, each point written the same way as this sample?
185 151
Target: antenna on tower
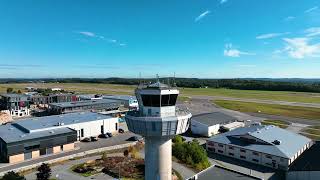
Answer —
157 76
174 80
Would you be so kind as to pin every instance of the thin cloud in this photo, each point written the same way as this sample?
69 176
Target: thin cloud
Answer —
311 9
229 51
314 31
204 14
87 33
223 1
289 18
247 65
122 44
300 48
271 35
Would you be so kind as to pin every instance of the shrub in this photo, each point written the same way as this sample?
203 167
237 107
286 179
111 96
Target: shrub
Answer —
44 172
12 176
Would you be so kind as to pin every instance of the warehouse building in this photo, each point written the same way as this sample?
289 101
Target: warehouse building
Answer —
16 104
209 124
88 105
52 98
264 145
129 102
37 136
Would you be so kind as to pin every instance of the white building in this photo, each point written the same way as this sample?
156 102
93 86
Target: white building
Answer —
56 89
264 145
209 124
232 126
87 124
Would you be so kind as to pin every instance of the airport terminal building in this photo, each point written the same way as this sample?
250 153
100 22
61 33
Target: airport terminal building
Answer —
269 146
33 137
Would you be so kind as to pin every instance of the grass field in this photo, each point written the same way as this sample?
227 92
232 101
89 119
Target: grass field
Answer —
273 109
95 88
254 94
279 123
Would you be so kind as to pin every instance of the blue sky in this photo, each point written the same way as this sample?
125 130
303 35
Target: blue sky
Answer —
193 38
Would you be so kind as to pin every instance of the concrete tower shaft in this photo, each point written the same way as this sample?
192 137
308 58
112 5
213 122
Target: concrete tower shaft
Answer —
158 120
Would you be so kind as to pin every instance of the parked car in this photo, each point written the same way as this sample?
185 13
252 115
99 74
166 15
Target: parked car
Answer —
121 131
135 138
109 134
93 138
103 136
86 139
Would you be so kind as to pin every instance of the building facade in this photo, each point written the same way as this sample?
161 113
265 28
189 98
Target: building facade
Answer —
158 120
86 105
16 104
209 124
264 145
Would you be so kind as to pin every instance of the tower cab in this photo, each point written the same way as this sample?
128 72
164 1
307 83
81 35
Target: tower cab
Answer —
157 100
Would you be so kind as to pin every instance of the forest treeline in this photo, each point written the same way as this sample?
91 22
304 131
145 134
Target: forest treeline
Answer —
298 85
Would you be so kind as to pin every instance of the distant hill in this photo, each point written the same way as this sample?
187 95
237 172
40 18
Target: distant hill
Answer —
277 84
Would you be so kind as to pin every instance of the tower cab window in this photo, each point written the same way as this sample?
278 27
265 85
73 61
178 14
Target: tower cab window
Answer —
156 101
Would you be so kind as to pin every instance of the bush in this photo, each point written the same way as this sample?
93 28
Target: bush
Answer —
44 172
12 176
191 153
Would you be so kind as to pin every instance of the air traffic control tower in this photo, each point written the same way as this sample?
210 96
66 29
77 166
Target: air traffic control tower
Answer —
158 120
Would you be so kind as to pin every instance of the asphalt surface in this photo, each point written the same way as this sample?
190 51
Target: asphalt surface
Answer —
287 103
217 173
116 140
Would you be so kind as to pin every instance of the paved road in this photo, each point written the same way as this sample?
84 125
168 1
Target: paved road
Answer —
315 105
116 140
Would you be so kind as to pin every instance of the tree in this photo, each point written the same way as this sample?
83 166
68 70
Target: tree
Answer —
104 157
44 172
126 153
19 91
9 90
13 176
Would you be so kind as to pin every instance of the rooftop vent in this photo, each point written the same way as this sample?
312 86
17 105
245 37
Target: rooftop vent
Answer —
51 132
11 128
276 142
22 135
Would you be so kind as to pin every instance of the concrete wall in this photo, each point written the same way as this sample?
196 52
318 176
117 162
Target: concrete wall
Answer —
56 149
93 128
16 158
35 154
68 147
249 155
204 130
304 175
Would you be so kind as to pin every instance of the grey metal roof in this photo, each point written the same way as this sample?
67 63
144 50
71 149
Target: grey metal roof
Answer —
290 144
120 97
13 95
219 173
51 122
85 103
213 118
9 133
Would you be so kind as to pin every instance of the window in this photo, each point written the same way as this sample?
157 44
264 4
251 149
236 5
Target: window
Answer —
255 160
61 147
212 149
102 129
242 157
268 156
169 99
219 151
231 154
230 147
151 100
242 150
116 126
220 145
153 126
255 153
82 133
32 147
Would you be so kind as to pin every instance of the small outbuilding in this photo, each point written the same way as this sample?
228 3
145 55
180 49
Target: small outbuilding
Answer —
209 124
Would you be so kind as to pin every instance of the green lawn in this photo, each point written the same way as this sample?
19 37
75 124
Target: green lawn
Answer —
98 88
314 130
279 123
273 109
254 94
